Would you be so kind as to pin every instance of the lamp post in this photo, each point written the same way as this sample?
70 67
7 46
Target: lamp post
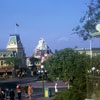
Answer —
93 69
42 71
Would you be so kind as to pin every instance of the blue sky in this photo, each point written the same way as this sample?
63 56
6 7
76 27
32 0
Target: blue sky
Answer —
52 20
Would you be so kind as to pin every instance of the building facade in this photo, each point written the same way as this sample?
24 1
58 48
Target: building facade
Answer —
41 52
92 52
14 49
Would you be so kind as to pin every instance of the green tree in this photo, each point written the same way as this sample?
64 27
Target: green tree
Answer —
34 61
96 61
69 65
89 20
13 61
65 63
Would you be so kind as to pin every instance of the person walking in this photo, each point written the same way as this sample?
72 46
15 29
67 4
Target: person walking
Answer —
12 94
19 91
26 90
1 95
7 93
30 91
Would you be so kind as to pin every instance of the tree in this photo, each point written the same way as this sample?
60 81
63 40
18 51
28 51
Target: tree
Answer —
96 61
90 19
65 63
69 65
13 61
34 61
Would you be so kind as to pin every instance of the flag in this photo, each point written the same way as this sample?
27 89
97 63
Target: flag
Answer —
17 25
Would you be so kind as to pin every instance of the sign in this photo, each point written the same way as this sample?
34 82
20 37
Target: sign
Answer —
98 27
46 92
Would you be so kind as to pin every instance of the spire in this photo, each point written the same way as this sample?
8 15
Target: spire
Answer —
42 45
42 49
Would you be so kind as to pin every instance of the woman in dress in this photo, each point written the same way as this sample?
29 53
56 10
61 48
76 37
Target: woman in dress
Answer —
30 91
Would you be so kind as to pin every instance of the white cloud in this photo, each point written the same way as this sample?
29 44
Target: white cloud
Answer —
63 39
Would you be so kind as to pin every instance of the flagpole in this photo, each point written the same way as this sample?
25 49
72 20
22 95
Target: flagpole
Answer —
15 29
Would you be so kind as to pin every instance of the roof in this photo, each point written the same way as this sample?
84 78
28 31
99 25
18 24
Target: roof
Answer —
42 45
5 54
86 49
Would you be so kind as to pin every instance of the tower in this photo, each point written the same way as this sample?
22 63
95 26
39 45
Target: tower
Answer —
15 45
42 51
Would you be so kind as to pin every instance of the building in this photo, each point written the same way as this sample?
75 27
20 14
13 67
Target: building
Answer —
15 45
14 49
42 52
93 51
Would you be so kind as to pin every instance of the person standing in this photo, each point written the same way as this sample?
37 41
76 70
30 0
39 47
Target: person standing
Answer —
67 83
56 87
12 94
19 91
30 91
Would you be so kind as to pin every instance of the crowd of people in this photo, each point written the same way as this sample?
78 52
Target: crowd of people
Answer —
10 94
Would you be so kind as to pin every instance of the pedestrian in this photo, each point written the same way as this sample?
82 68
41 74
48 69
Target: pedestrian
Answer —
67 83
12 94
56 87
1 95
19 91
6 93
3 92
26 90
30 91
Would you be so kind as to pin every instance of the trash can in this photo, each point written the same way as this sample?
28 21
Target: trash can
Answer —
46 92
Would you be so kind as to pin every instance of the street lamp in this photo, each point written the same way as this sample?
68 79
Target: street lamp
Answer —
93 69
95 34
42 71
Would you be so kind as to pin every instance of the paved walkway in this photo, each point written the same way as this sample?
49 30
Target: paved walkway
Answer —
38 98
39 84
34 98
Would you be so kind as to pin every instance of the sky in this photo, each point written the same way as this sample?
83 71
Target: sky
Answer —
52 20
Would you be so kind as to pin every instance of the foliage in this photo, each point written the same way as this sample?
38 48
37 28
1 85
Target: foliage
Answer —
69 94
34 61
96 61
13 61
66 64
69 65
89 20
